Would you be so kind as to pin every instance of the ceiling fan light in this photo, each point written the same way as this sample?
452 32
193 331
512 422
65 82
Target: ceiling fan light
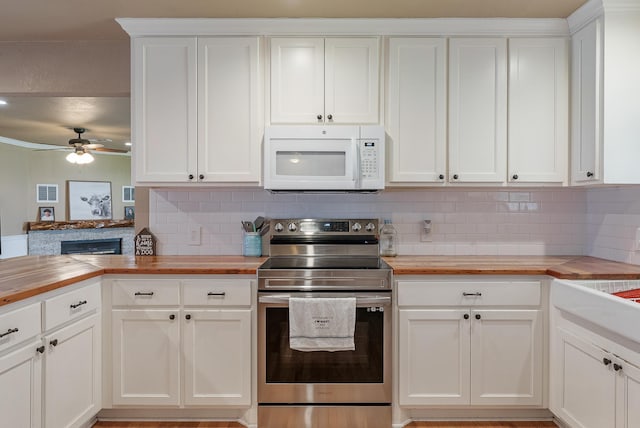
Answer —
79 159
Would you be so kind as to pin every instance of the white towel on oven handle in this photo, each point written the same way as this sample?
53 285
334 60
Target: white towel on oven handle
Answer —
322 324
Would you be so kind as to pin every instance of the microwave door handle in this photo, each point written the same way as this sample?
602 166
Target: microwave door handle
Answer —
356 164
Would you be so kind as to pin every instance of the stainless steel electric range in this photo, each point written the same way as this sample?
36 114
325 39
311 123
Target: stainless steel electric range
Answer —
316 258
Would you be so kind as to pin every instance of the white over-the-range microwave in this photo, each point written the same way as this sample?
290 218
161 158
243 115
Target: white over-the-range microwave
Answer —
324 158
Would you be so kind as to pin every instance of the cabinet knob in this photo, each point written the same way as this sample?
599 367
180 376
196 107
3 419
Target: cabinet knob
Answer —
330 117
455 176
515 176
187 316
54 342
441 177
466 316
617 367
606 361
589 174
190 176
201 176
40 349
319 117
172 317
478 316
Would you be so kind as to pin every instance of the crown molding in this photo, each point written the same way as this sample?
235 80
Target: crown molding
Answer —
148 27
594 9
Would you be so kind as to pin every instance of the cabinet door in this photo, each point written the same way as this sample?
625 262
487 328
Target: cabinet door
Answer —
229 106
297 80
146 357
164 109
628 396
72 374
538 110
217 356
351 80
477 110
20 387
586 99
587 385
434 357
417 116
506 357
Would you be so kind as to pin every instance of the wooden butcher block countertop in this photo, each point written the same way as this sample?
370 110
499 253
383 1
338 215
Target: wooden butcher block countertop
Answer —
27 276
24 277
565 267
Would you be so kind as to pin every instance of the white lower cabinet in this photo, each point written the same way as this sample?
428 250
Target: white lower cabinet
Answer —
72 374
217 355
20 387
146 357
482 353
181 342
593 387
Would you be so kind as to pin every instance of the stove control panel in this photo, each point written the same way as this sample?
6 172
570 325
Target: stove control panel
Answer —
323 227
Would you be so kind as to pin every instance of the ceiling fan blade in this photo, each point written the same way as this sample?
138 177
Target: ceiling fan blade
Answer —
106 149
92 146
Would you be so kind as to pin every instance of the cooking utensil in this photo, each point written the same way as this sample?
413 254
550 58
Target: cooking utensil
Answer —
247 226
258 223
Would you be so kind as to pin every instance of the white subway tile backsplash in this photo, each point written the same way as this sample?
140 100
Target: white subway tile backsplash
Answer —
599 222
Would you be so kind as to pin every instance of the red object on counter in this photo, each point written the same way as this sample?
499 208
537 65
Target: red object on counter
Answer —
629 294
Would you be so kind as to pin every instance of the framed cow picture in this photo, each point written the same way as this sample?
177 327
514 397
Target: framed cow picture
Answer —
89 200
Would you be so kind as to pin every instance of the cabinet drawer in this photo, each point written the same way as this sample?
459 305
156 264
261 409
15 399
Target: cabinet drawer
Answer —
71 305
471 293
146 292
217 292
19 325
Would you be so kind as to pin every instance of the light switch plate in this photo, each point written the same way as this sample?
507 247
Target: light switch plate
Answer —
194 234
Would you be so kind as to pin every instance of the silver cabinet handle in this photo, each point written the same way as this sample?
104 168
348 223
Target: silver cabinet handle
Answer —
143 293
477 294
219 293
10 331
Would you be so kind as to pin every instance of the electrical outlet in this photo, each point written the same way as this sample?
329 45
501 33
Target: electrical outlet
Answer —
194 234
425 231
636 243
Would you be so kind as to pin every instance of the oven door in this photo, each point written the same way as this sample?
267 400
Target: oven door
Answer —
360 376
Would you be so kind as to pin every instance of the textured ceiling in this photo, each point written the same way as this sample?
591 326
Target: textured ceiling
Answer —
94 19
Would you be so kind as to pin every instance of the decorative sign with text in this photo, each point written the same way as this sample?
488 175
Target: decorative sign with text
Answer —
145 243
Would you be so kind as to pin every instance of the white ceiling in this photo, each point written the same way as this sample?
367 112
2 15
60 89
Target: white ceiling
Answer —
47 120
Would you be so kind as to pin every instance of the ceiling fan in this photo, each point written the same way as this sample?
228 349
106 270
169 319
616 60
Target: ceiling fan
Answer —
82 148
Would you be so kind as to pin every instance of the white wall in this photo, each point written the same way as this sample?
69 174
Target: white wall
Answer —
613 215
465 221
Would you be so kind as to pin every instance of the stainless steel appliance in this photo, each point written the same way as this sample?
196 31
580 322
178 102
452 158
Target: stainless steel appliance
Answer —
344 389
324 158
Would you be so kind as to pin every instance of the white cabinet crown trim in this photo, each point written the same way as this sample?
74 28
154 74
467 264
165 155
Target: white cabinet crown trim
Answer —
144 27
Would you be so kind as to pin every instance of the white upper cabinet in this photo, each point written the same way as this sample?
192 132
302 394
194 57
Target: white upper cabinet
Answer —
229 124
538 110
478 110
197 110
416 115
605 93
164 109
333 80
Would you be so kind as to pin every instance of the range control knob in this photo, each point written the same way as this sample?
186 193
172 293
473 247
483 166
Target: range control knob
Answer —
278 227
356 227
292 227
370 227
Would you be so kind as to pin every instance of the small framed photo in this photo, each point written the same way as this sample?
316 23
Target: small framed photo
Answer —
129 213
47 214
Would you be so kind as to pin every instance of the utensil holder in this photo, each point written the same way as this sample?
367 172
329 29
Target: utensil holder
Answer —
252 244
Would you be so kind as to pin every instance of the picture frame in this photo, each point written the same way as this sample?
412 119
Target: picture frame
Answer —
46 214
89 200
129 212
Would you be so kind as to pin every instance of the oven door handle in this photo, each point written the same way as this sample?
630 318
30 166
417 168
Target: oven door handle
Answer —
360 300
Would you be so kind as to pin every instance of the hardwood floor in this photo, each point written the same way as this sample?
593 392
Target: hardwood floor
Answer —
104 424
